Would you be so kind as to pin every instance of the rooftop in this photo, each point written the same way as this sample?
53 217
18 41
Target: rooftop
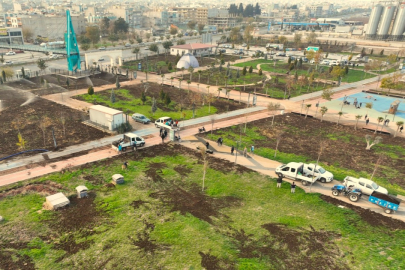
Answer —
104 109
193 46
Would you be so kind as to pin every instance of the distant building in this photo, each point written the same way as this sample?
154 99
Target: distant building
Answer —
52 26
196 49
11 36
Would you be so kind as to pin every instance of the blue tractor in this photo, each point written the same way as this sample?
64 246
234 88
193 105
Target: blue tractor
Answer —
354 194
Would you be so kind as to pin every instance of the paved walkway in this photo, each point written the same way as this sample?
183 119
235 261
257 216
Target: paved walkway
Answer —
221 122
267 167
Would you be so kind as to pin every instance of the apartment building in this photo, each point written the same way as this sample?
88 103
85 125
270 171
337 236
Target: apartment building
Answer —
202 16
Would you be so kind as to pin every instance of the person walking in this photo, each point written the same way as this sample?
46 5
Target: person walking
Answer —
365 117
119 148
401 128
293 185
252 149
207 144
388 122
219 141
245 152
232 149
367 120
279 181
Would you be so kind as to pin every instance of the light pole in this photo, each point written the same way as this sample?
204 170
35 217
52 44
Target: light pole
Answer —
236 153
343 103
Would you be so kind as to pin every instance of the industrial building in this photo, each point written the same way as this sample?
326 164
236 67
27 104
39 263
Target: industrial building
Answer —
387 22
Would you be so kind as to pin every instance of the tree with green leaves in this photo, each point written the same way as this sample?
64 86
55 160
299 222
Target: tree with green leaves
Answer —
93 34
143 98
379 120
340 115
323 110
260 72
399 125
250 69
117 83
244 71
191 25
136 51
162 95
3 74
166 45
181 42
327 94
41 64
120 25
167 100
154 48
90 90
67 83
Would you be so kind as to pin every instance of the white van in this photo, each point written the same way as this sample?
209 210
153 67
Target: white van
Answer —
128 140
366 185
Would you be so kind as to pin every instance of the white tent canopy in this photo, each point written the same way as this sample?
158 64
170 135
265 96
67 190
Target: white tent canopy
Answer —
188 60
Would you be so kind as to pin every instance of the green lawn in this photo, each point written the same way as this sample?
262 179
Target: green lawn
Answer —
125 101
215 76
161 219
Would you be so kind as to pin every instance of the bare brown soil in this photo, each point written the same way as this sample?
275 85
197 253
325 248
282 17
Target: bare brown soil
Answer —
45 189
194 202
27 119
10 258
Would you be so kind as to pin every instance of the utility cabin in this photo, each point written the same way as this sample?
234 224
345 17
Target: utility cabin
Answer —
106 117
81 192
56 201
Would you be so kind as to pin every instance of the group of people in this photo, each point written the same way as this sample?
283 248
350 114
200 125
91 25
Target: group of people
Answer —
171 123
357 105
163 134
252 149
280 181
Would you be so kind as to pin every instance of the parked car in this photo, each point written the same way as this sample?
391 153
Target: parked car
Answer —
322 174
101 59
140 118
244 45
10 53
325 62
280 54
54 56
333 63
102 48
161 121
8 62
367 186
222 50
127 45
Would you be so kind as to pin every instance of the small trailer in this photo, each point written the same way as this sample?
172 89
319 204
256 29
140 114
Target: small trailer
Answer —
388 202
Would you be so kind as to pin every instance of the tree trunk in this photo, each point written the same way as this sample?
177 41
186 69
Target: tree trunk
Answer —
355 127
376 128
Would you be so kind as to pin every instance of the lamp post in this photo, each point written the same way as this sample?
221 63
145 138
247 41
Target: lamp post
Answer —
236 153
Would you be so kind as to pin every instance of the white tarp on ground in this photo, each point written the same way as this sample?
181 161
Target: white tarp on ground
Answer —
56 201
188 60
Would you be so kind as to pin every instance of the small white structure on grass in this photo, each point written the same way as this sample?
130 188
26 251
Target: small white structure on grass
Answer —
81 191
106 117
56 201
118 179
1 218
187 60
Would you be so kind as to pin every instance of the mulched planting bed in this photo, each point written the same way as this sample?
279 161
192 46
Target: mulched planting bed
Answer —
159 63
27 119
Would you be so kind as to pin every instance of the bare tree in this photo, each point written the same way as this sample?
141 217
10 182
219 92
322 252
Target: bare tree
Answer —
340 115
63 122
322 147
272 107
44 123
205 164
212 119
279 136
379 120
308 106
358 117
377 164
372 141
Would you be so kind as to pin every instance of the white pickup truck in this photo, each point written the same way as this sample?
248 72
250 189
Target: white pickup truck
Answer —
323 175
295 171
129 140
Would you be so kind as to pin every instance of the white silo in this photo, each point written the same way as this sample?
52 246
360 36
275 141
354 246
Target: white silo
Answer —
385 21
399 25
374 20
